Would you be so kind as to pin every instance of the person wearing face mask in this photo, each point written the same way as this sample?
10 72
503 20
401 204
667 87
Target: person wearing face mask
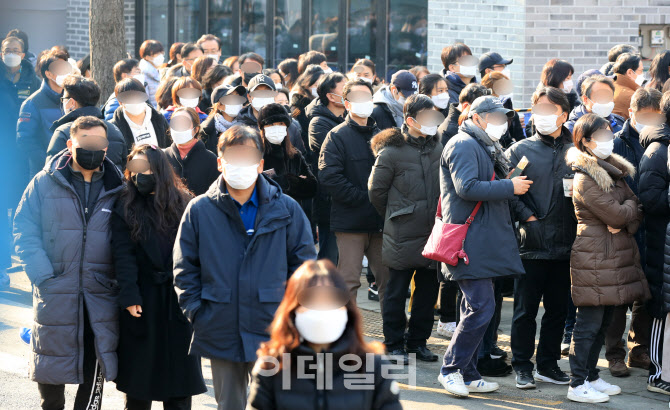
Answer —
492 61
126 68
315 319
501 87
435 86
628 77
154 364
152 54
547 227
345 163
61 233
222 115
390 99
457 75
281 160
249 65
189 157
327 112
600 88
80 98
474 168
137 120
653 193
405 159
189 52
249 113
183 97
211 46
39 111
17 71
605 265
366 70
449 126
645 106
255 235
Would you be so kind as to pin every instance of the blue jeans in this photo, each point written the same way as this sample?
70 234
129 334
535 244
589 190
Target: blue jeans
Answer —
477 309
491 335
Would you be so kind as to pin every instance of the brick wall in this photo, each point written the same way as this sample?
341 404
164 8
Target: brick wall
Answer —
535 31
77 27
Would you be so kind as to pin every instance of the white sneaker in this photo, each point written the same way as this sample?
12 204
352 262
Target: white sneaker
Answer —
604 387
453 383
446 329
586 394
482 386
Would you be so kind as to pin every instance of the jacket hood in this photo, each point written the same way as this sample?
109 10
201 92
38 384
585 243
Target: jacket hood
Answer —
391 137
321 110
656 133
602 171
311 107
246 116
79 112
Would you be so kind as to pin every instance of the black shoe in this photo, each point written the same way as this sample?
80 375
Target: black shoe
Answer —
423 354
555 375
524 379
373 292
493 367
498 353
659 386
398 356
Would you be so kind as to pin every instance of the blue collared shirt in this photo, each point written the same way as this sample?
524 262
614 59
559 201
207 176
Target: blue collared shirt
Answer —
248 212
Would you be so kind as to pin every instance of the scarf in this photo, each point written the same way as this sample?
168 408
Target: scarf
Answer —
220 123
384 96
501 164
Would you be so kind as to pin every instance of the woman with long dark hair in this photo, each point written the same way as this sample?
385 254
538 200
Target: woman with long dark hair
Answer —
154 364
301 95
659 71
316 316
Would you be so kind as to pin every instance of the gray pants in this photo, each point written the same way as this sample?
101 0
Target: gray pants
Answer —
352 247
230 380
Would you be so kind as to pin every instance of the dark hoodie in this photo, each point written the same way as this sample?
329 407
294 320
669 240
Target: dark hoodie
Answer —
455 84
653 193
449 126
117 151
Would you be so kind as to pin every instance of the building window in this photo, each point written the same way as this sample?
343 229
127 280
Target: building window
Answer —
288 30
361 31
324 29
252 27
221 24
407 34
155 22
187 18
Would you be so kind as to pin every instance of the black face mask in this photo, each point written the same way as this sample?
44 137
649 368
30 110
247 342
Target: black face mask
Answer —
145 183
88 159
249 76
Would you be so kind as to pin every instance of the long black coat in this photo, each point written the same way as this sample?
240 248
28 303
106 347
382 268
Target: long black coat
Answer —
197 169
653 188
289 172
153 349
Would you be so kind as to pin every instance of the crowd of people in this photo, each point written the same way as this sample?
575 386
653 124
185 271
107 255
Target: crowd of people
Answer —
214 207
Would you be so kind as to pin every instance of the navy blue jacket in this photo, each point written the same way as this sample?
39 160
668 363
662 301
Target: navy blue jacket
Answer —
616 121
37 114
466 169
455 84
230 284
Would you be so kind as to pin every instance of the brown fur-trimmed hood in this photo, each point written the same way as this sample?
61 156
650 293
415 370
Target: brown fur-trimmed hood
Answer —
603 172
388 137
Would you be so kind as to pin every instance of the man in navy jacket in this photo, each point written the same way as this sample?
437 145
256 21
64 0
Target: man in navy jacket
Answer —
236 247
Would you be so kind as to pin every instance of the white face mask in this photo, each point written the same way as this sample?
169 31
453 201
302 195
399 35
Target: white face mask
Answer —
275 134
259 103
321 326
367 80
214 56
60 79
401 100
545 124
65 104
11 60
426 129
441 101
567 86
638 126
506 73
602 110
363 110
639 80
135 109
278 86
314 93
189 102
240 177
233 110
468 71
327 70
140 78
603 149
495 132
159 60
181 137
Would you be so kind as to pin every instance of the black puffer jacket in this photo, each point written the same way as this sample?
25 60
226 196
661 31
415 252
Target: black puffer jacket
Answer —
323 120
404 187
270 392
345 163
653 187
383 116
117 151
247 117
552 235
449 126
292 174
197 169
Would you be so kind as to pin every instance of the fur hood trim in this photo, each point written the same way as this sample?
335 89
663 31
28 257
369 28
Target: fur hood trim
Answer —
601 171
388 137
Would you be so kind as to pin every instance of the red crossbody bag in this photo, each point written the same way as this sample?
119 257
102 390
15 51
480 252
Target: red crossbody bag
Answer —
447 241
